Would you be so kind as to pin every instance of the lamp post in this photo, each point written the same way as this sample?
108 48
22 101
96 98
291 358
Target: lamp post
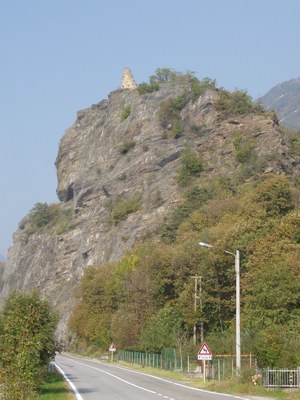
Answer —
238 305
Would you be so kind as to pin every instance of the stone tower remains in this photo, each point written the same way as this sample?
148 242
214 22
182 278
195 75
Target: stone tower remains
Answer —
127 81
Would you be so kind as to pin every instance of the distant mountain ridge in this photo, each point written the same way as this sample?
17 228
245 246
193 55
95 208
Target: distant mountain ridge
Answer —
284 98
2 259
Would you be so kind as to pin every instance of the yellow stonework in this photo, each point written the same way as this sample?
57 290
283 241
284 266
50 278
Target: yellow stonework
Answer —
127 81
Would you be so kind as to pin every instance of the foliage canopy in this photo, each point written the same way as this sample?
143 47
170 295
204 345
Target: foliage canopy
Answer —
27 344
151 291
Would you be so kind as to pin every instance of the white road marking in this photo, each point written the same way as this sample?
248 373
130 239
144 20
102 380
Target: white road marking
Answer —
73 387
180 384
158 378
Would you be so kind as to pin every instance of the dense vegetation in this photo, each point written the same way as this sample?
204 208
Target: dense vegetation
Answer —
145 301
27 344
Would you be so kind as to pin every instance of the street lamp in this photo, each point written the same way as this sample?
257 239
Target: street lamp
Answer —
238 305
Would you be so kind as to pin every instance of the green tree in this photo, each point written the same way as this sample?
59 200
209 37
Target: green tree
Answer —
274 296
40 215
137 303
98 299
161 330
164 75
200 87
27 344
276 347
144 87
274 194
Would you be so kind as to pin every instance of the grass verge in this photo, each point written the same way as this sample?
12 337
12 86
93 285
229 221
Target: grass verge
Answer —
55 388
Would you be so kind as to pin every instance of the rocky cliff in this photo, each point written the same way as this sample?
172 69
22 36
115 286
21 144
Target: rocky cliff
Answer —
116 168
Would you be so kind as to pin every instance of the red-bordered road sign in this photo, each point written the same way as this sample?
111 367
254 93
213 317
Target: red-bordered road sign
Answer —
112 347
204 353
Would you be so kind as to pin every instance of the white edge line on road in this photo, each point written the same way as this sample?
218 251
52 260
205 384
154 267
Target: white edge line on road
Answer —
73 387
158 378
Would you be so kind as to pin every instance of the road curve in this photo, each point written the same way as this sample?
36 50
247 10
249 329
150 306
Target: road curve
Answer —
92 380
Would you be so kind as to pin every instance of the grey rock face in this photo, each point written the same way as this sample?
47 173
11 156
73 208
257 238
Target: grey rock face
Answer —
95 172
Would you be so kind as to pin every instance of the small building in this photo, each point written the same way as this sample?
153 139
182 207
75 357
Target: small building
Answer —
127 81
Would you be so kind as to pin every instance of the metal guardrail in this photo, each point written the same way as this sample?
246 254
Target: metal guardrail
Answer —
281 378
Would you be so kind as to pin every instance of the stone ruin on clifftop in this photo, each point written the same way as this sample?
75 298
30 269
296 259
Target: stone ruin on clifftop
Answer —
127 81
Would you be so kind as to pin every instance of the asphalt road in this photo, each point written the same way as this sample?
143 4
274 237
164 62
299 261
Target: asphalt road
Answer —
93 380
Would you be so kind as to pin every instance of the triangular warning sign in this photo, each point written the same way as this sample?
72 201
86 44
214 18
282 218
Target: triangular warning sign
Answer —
205 350
204 353
112 347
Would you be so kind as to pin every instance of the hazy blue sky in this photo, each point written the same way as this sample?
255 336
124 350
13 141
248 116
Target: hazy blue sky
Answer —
59 56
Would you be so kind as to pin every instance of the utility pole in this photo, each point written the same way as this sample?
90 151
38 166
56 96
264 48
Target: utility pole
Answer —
238 313
198 297
201 322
